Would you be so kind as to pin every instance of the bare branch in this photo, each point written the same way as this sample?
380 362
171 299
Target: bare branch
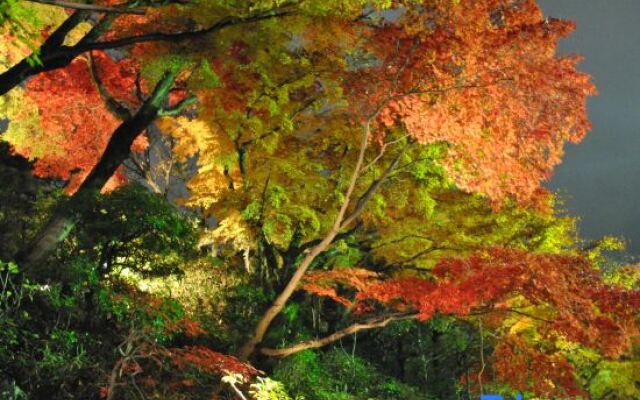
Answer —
373 188
373 323
116 108
383 149
179 108
403 238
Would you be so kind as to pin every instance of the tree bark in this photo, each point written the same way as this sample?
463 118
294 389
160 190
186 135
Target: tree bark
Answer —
276 307
341 222
27 67
373 323
116 152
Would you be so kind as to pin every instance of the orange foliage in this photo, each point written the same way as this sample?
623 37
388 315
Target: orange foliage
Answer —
211 362
577 306
483 77
584 309
321 283
527 369
76 124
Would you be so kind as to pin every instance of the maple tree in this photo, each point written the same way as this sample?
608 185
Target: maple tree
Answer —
329 134
402 85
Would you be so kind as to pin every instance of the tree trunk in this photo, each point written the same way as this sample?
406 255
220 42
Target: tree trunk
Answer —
276 307
116 152
341 222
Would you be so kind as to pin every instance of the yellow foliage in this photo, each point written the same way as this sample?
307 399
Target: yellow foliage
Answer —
195 137
232 230
77 33
24 124
41 18
520 325
185 133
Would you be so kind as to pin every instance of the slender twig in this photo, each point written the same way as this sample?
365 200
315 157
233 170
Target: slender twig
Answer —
401 239
381 153
373 188
482 363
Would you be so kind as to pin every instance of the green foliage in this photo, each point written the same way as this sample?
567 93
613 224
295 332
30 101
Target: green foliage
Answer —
10 289
129 308
339 375
268 389
135 230
616 380
155 69
39 349
274 141
63 354
10 391
18 19
243 307
203 77
25 206
432 356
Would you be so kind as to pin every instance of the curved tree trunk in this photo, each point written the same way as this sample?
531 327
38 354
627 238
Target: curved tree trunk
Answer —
342 220
276 307
116 152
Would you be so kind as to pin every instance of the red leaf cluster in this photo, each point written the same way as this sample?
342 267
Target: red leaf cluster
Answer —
76 123
584 309
528 369
324 283
211 362
576 305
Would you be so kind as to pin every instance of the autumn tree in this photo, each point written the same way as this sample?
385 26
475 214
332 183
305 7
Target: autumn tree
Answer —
416 129
399 81
107 154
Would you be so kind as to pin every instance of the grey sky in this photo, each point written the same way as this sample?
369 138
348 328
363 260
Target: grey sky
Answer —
600 177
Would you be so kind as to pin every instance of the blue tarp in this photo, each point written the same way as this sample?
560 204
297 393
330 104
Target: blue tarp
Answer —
497 397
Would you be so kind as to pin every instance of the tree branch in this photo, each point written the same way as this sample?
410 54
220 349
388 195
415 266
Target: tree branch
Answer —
403 238
54 55
373 323
89 7
179 108
117 151
373 188
339 236
173 36
116 108
278 304
56 39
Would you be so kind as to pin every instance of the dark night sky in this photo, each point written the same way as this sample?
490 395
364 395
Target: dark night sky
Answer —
600 177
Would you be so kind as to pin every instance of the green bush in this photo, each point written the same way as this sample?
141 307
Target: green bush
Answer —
339 375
